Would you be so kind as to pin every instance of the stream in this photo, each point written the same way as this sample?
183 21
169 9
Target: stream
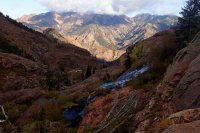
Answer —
75 115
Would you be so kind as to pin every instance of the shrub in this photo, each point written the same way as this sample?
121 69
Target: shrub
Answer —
88 72
7 47
49 112
89 129
69 105
107 77
136 53
159 67
65 79
14 111
144 79
101 92
36 126
51 81
163 125
72 100
51 94
127 62
94 84
7 127
52 112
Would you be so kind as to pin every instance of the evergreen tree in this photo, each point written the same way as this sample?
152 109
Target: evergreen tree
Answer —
190 21
127 63
88 72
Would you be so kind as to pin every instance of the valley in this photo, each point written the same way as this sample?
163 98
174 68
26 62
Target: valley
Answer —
90 72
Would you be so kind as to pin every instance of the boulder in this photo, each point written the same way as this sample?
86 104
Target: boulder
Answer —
193 127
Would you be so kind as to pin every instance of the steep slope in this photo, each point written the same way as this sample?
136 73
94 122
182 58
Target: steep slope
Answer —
40 47
97 50
161 100
114 112
25 45
109 33
35 72
179 91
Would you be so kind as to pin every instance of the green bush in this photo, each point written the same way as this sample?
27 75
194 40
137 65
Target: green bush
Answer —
51 94
69 105
136 53
66 102
72 100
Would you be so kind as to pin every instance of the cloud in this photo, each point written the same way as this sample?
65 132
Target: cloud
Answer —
114 6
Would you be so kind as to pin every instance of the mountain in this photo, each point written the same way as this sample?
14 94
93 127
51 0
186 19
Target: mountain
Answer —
50 85
20 47
105 36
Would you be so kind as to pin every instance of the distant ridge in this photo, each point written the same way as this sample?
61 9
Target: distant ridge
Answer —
101 34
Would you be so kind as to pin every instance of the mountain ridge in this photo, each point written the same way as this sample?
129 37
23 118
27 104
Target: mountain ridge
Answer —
109 32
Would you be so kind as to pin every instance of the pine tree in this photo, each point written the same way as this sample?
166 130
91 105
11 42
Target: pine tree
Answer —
190 21
127 63
88 72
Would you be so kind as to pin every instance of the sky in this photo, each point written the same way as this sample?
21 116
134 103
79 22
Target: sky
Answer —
18 8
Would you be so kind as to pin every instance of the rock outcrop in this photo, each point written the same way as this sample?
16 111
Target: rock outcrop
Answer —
179 91
192 127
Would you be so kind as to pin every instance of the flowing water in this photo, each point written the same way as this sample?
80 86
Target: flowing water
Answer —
75 115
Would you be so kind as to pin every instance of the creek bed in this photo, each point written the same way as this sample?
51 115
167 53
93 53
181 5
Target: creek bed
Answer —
75 114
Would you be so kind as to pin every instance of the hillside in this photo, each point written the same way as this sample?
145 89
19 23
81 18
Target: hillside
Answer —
50 85
32 51
102 35
163 99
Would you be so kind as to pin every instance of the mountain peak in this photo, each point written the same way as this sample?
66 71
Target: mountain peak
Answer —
106 32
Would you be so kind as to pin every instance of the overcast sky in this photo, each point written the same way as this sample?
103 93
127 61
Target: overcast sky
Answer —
17 8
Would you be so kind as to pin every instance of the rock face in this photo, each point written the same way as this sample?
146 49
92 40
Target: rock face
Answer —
185 116
186 94
177 95
102 35
193 127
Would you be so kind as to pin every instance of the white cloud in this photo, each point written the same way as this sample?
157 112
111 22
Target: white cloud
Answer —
115 6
